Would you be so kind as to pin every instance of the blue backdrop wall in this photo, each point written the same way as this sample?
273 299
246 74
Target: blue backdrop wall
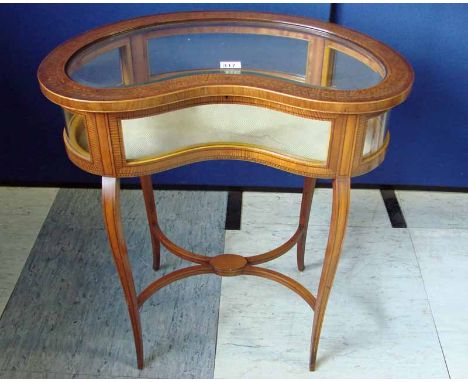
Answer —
429 132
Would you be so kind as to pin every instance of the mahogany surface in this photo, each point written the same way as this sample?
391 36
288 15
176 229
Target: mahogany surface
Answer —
311 95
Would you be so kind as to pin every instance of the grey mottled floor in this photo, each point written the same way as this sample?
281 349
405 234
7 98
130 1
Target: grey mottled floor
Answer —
67 317
398 307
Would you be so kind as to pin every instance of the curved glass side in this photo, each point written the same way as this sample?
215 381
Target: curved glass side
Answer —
77 133
375 133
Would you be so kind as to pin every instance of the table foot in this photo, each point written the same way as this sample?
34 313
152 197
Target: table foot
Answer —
312 365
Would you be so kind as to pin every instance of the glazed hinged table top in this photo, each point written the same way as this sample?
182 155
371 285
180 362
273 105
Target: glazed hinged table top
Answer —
219 47
155 60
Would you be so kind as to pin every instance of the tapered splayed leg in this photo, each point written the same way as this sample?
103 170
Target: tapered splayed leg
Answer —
339 218
147 187
307 195
112 219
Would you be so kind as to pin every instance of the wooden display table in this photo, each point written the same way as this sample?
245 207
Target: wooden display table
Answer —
158 92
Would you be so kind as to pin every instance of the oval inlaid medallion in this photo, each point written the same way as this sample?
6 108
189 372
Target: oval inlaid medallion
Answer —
227 264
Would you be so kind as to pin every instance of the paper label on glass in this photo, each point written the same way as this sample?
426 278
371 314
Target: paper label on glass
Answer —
230 65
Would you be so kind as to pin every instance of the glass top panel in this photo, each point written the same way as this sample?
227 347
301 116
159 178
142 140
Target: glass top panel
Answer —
157 53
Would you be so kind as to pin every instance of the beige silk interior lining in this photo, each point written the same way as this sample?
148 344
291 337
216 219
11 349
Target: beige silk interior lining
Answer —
158 135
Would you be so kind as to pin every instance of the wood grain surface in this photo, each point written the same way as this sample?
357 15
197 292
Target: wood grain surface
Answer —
394 88
103 110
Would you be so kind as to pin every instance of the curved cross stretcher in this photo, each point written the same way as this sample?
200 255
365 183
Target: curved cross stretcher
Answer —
224 264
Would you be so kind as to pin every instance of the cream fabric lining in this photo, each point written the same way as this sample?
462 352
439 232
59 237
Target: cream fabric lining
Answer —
224 123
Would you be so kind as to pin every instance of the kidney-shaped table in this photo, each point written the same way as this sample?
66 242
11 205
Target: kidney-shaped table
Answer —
158 92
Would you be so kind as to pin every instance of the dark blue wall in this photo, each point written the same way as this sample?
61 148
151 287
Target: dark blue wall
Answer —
432 37
429 132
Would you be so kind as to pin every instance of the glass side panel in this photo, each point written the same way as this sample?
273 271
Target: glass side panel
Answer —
102 71
161 52
68 120
77 133
375 133
162 134
206 51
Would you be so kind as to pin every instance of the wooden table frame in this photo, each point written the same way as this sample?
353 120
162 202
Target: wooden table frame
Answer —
349 112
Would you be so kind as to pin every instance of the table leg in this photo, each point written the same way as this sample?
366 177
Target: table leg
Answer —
341 198
307 195
112 219
147 187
